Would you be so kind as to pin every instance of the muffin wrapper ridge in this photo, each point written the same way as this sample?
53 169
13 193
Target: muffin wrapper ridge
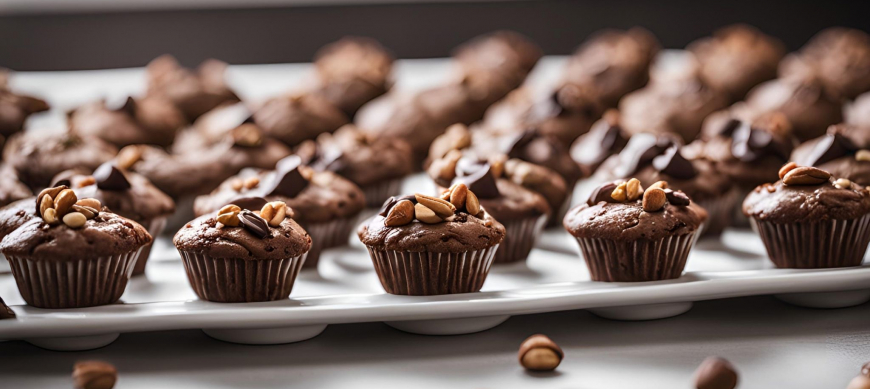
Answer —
636 261
155 228
721 212
377 193
235 280
427 274
73 284
520 237
825 244
326 235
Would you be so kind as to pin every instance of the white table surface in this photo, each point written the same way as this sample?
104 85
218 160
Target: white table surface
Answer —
774 345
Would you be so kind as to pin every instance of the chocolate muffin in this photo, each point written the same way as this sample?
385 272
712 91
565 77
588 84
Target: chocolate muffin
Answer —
127 194
522 211
858 112
810 219
422 245
352 72
238 255
149 120
605 138
612 63
377 166
294 119
506 53
75 254
324 203
37 156
737 58
15 108
803 101
839 152
839 57
11 189
194 92
628 234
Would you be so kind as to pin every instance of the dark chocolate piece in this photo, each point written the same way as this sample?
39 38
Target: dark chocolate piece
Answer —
124 104
254 223
640 151
831 147
752 144
249 202
5 311
392 201
109 177
672 163
730 126
288 180
677 197
480 181
602 193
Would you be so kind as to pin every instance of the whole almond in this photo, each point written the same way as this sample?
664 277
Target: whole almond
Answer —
46 203
441 208
252 182
458 196
64 201
659 184
50 217
229 219
74 220
425 214
230 208
90 202
94 375
805 175
633 190
786 168
472 204
619 194
654 199
128 156
401 214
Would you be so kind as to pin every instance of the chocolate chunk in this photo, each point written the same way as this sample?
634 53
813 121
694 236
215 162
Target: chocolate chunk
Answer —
249 202
254 223
288 180
5 311
480 181
672 163
109 177
752 144
62 182
124 104
331 159
640 151
677 197
602 141
730 126
392 201
602 193
831 147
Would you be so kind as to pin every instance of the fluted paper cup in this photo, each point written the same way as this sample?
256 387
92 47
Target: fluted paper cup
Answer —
520 236
236 280
721 211
427 274
155 228
637 261
326 235
376 194
824 244
59 284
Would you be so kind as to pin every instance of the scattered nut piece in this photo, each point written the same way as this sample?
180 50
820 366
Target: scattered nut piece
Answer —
86 181
94 375
842 183
128 156
230 219
230 208
441 208
540 353
401 214
805 175
64 201
619 194
274 213
50 217
659 184
715 373
91 203
472 204
458 195
74 220
787 168
46 203
425 214
53 192
252 182
237 184
862 155
654 199
633 190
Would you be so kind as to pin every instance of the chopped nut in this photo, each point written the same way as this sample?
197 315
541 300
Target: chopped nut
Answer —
862 155
50 217
46 203
441 208
633 190
659 184
401 214
229 219
128 156
274 213
458 195
842 183
619 194
74 220
787 168
425 214
230 208
252 182
90 202
540 353
94 375
654 200
64 201
805 175
472 204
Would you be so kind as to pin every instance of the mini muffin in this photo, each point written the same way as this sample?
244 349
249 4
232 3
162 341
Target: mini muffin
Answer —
522 211
37 157
352 72
377 166
844 152
77 254
839 56
612 63
240 256
15 108
127 194
810 220
803 101
324 203
628 234
507 54
737 58
150 120
605 138
11 189
294 119
422 245
194 92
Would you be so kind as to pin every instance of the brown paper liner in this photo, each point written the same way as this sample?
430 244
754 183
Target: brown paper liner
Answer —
825 244
720 212
636 261
72 284
326 235
376 194
427 274
234 280
155 228
520 237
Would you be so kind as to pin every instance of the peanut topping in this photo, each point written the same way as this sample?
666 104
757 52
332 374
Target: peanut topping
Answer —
275 212
805 175
60 204
654 199
427 209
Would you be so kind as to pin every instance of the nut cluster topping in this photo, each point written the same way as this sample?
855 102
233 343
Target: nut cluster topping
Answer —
653 199
258 223
430 210
94 375
60 205
540 353
792 174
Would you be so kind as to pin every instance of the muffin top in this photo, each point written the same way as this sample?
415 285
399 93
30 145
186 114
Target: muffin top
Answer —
844 152
69 228
127 194
398 115
807 195
314 196
351 72
15 108
150 120
15 214
500 51
358 157
624 211
803 101
236 233
420 223
293 119
37 157
194 92
839 56
11 189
